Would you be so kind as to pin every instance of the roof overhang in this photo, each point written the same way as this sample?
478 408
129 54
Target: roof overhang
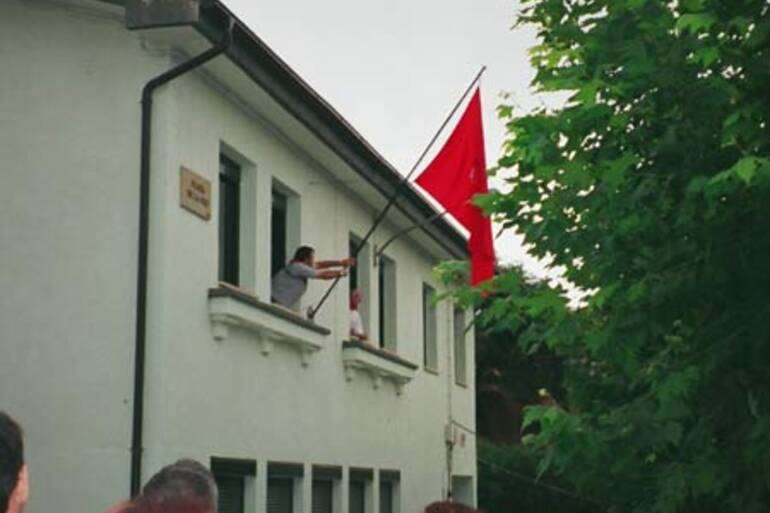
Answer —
286 101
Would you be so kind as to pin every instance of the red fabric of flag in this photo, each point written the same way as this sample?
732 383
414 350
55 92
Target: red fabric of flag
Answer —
455 176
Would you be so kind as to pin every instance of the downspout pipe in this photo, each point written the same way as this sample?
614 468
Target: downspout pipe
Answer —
144 236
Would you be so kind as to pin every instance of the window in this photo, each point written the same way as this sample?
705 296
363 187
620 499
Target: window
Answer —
387 302
278 231
462 490
360 492
389 491
322 496
359 279
386 497
354 279
280 495
284 483
459 343
429 328
284 226
357 497
231 477
325 488
229 220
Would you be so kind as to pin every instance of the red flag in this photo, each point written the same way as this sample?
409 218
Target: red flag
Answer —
455 176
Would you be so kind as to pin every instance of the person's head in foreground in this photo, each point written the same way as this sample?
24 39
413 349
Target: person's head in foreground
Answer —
182 487
305 255
14 481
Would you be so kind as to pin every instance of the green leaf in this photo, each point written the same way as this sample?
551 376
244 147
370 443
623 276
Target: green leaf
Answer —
746 168
695 22
504 111
706 56
615 171
673 432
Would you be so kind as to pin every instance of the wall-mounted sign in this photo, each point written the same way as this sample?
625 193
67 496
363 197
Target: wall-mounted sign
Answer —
195 193
142 14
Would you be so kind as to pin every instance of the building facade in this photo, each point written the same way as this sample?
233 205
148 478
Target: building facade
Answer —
247 162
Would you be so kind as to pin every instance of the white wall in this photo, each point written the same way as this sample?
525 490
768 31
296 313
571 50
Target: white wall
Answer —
69 118
69 197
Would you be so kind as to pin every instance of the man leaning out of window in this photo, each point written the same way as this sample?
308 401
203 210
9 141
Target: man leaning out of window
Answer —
290 283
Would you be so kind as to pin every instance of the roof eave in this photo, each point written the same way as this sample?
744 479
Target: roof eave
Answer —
287 88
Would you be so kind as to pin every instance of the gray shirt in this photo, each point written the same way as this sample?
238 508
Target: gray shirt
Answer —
290 283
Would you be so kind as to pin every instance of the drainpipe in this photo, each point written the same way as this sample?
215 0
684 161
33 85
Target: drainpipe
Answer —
144 235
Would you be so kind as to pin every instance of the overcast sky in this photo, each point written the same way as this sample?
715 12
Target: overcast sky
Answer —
395 68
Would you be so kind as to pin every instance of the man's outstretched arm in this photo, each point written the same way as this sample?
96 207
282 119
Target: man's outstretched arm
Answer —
325 264
330 275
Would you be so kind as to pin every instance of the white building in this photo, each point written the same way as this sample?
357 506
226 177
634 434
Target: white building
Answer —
245 163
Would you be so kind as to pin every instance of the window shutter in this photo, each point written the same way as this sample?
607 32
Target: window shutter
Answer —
278 258
231 490
459 343
430 345
357 500
386 497
280 493
229 219
322 496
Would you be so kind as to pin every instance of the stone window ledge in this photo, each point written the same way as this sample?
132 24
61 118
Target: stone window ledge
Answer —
230 307
378 363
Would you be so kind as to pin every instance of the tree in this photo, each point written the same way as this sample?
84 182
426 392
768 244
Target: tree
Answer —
508 377
651 189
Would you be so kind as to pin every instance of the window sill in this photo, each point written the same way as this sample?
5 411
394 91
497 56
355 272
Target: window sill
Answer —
230 307
431 371
378 363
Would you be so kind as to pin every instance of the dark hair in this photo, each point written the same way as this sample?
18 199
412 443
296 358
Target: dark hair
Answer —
185 486
11 457
303 253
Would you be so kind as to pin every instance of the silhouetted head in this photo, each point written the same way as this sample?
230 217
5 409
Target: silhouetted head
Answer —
304 254
182 487
14 480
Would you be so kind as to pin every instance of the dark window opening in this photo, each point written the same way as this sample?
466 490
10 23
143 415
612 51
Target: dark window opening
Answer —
387 302
386 497
229 219
381 301
357 497
322 496
429 328
278 232
353 272
280 495
230 476
459 347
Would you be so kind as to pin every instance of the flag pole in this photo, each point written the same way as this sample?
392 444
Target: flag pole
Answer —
381 216
426 222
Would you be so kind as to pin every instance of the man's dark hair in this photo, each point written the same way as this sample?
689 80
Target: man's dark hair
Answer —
182 486
11 458
303 254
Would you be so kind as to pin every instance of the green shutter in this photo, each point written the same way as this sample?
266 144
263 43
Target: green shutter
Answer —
280 493
322 496
231 489
357 497
386 497
429 328
459 343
